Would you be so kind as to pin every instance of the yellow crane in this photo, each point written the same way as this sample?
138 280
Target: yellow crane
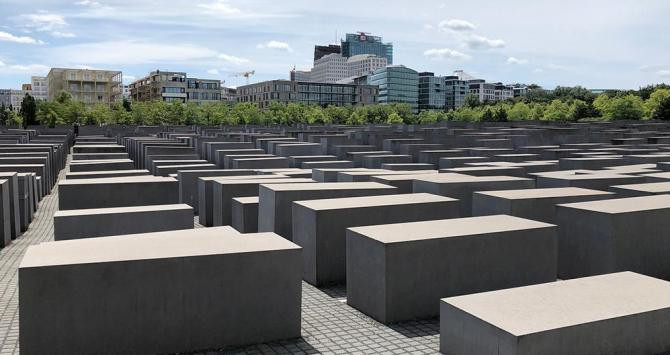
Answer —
246 74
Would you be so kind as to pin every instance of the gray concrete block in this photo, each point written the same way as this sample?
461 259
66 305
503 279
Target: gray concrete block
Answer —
5 214
623 313
101 222
117 192
461 187
275 200
399 272
319 226
106 174
261 163
14 209
101 165
174 288
244 212
627 234
535 204
188 183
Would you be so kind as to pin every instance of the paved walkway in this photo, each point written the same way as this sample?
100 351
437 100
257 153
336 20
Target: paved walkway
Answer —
329 325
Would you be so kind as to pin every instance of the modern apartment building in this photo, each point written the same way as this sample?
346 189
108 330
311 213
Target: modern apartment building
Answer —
320 51
301 75
456 92
40 87
16 98
432 92
364 43
503 92
485 92
175 87
228 94
397 84
5 97
322 94
85 85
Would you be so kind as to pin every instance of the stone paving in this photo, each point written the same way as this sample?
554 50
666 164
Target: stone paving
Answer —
329 325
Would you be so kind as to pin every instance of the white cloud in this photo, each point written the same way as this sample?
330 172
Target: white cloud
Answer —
220 7
63 34
44 22
2 64
213 72
32 69
445 53
281 46
538 70
233 60
88 3
663 73
516 61
117 53
456 25
8 37
481 42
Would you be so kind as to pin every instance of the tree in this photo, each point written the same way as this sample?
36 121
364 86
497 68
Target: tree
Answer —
655 99
662 111
394 118
580 109
500 115
557 110
14 119
471 101
4 114
28 110
487 115
126 105
519 111
628 107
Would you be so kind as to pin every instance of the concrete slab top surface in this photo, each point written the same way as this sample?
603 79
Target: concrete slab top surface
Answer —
81 162
246 200
447 228
129 209
370 201
277 180
652 187
388 172
624 205
462 178
118 180
401 177
523 194
633 166
537 308
103 172
328 186
159 245
241 177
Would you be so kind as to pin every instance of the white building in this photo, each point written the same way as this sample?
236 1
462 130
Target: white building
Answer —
16 98
334 68
126 92
40 89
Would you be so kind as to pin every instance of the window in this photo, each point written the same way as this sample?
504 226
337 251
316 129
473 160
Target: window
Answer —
73 76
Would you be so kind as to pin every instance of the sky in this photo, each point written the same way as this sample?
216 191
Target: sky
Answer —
599 44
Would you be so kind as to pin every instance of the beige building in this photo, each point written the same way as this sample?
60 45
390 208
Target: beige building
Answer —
175 86
85 85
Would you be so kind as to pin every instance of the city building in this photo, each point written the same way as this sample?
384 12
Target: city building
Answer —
485 92
364 43
503 92
432 92
175 87
85 85
456 92
126 92
322 94
301 75
320 51
27 87
329 69
16 98
5 97
397 84
39 87
228 94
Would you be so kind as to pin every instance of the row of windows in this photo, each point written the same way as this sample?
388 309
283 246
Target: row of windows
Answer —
204 96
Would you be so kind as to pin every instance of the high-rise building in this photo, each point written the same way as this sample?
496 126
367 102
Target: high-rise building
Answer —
456 92
85 85
329 69
175 87
40 87
334 68
320 51
397 84
322 94
363 43
432 93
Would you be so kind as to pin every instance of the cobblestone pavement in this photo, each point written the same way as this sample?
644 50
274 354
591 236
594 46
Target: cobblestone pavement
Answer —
329 325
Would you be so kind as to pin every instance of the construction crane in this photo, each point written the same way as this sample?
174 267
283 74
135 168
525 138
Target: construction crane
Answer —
245 74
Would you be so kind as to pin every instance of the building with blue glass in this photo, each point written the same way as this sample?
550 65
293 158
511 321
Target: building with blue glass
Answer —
363 43
432 95
397 84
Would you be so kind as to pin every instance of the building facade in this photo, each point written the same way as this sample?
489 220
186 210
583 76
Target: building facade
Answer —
334 68
5 97
320 51
503 92
228 94
16 98
485 92
456 92
363 43
39 85
301 75
322 94
175 87
432 92
397 84
88 86
329 69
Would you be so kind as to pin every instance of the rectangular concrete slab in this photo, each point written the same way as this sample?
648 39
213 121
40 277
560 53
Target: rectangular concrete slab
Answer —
622 313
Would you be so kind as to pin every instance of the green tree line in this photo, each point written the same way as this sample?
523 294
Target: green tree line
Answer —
561 104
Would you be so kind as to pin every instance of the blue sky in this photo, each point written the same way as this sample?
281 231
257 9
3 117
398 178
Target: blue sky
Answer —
593 43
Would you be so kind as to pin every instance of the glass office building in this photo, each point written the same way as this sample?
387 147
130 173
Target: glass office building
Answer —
363 43
397 84
456 92
432 95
